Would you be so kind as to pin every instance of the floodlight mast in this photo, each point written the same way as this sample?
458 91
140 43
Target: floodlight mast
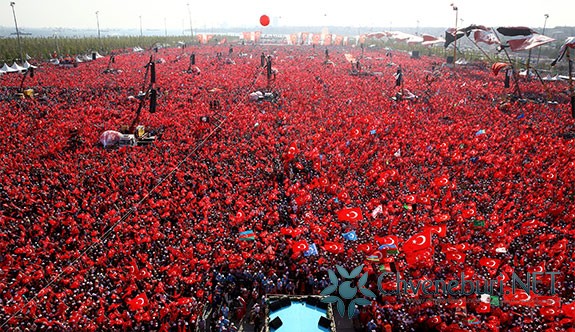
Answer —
12 4
544 26
190 17
455 33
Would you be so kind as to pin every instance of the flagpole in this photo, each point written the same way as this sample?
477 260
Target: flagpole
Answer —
528 65
12 3
482 51
544 26
510 63
455 34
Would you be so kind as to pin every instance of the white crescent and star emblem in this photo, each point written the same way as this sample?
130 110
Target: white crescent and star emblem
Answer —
352 215
392 241
538 269
140 301
524 297
549 302
423 240
490 263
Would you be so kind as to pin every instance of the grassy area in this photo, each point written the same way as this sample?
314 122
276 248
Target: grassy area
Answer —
43 48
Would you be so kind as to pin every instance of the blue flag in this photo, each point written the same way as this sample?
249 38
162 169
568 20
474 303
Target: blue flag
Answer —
372 131
350 236
481 132
312 251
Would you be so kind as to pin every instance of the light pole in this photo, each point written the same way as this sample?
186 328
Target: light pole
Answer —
544 26
190 17
57 44
98 26
98 23
455 34
417 28
17 31
165 27
141 33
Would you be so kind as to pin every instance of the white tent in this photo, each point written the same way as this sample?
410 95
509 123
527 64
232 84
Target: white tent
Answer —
16 68
27 65
4 69
10 69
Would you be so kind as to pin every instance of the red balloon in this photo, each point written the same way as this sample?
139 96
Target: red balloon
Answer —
264 20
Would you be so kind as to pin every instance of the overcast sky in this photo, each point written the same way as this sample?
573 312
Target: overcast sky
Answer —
246 13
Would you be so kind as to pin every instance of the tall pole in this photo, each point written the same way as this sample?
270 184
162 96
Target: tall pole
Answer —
98 23
57 44
190 17
455 41
141 32
544 26
17 31
165 27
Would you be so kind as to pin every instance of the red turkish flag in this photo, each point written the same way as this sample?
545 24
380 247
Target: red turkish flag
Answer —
334 247
468 213
441 181
388 239
518 298
286 231
569 309
491 263
549 301
441 217
352 215
460 303
440 230
455 256
417 242
144 274
549 313
434 321
138 302
418 257
483 308
366 248
300 246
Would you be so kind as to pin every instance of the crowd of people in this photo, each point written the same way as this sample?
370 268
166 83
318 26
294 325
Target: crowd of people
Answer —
152 238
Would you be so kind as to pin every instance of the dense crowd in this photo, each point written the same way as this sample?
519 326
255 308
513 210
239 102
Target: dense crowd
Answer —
95 238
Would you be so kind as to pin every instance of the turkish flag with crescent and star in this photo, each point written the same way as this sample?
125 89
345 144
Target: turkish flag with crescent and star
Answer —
138 302
352 215
419 241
